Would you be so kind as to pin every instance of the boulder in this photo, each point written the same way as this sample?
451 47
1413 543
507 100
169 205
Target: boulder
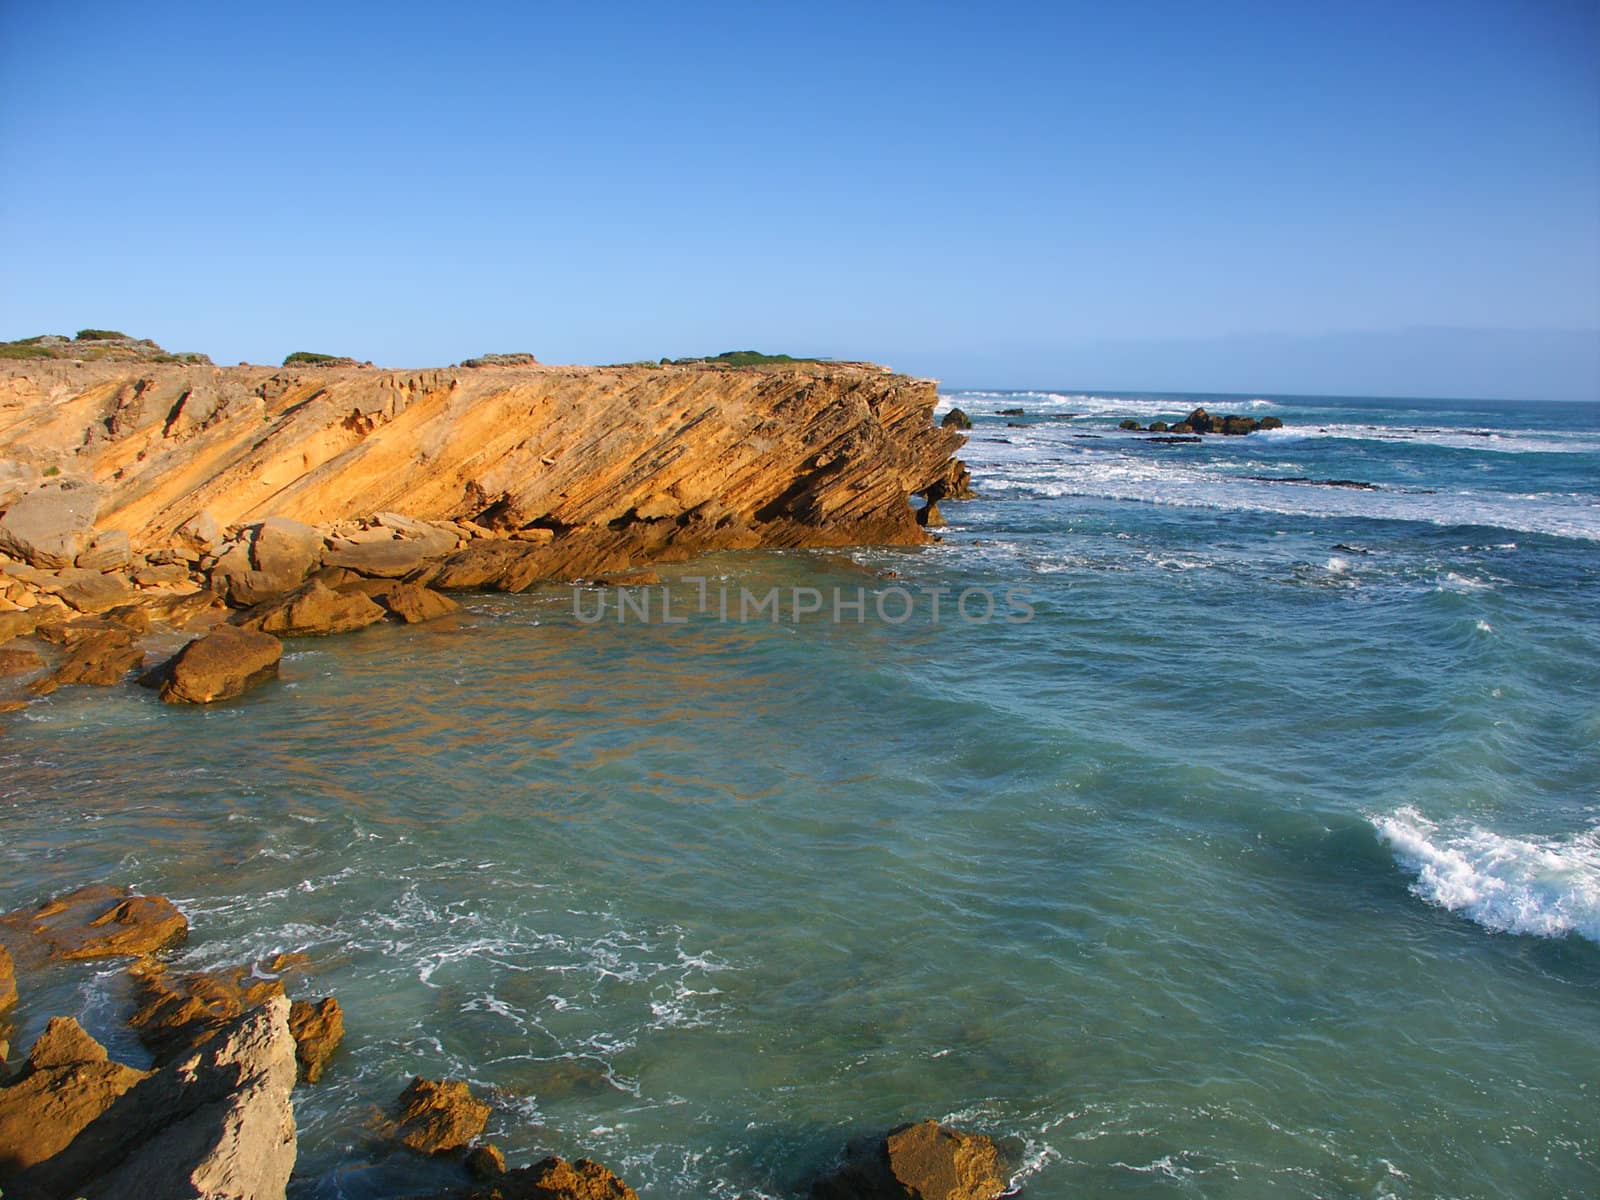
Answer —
96 921
91 591
391 558
17 624
200 533
225 663
1157 427
410 603
1129 424
19 662
318 1028
435 540
438 1116
314 610
66 1084
1237 426
1182 427
50 525
175 1014
924 1161
216 1123
930 517
485 1162
161 575
557 1179
956 419
272 558
108 550
1200 421
1271 423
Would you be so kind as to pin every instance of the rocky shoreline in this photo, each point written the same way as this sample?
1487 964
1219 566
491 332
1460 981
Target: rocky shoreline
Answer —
147 498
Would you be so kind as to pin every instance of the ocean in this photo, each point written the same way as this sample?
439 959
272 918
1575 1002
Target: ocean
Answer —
1261 860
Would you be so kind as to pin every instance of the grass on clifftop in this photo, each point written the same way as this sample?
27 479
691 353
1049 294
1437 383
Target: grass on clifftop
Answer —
304 358
101 335
742 358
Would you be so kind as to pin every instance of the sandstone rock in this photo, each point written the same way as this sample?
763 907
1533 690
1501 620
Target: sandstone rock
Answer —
102 660
315 610
410 603
274 557
925 1161
930 517
225 663
215 1124
557 1179
67 1083
17 624
175 1014
97 921
92 591
436 1117
200 533
486 1162
433 538
8 983
16 480
956 419
161 575
19 662
318 1028
390 559
50 525
108 550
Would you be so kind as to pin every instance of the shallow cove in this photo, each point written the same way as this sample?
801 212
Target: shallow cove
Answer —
702 901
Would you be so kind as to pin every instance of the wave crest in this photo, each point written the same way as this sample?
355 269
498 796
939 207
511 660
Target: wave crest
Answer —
1544 887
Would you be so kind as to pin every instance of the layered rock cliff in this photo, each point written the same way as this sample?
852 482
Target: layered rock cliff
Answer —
681 458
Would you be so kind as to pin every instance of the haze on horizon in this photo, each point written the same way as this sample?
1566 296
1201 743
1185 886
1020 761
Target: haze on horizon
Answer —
1364 198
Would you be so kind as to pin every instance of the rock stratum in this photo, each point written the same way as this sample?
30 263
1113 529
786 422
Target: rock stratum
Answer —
648 458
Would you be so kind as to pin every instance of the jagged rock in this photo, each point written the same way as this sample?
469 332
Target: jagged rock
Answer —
102 659
486 1162
1236 426
108 550
314 610
924 1161
410 603
434 539
199 533
66 1084
318 1028
930 517
175 1014
50 525
225 663
436 1116
214 1124
96 921
8 982
19 662
1200 421
1271 423
556 1179
956 419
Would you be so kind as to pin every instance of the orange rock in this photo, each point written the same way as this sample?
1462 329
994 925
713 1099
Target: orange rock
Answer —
318 1028
926 1160
438 1116
97 921
67 1083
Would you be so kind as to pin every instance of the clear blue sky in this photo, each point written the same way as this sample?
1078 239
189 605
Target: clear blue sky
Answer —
1397 197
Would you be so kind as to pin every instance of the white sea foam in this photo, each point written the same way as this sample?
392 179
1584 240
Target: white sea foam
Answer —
1510 441
1545 887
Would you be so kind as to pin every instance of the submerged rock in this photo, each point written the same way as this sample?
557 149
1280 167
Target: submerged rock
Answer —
925 1161
439 1116
216 1123
101 659
19 662
225 663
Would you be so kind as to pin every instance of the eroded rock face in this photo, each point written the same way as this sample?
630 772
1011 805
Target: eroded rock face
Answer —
318 1028
407 602
67 1083
924 1161
216 1123
439 1116
225 663
678 458
96 921
50 525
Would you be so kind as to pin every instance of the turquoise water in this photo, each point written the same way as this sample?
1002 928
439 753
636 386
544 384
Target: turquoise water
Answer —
1263 861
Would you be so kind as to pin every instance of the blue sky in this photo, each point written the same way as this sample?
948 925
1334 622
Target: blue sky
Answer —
1398 197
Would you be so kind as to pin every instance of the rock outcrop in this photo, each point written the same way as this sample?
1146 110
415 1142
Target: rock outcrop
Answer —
436 1117
548 1179
313 611
214 1123
67 1083
96 921
8 980
924 1161
225 663
318 1028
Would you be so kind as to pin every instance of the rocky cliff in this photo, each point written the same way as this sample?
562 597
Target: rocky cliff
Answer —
689 458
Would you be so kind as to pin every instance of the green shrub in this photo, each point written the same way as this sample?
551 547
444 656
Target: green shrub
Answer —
304 358
99 335
48 471
26 349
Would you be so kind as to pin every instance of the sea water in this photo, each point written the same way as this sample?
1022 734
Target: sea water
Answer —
1263 861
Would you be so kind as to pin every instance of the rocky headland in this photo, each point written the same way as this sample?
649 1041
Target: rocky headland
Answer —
142 489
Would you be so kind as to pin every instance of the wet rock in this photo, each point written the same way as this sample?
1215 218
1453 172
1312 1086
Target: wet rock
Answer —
1237 426
318 1028
925 1161
1200 421
1182 427
1271 423
439 1116
930 517
956 419
1157 427
108 550
1011 412
225 663
214 1124
50 525
1129 424
66 1084
101 660
315 610
553 1179
97 921
19 662
8 982
175 1014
